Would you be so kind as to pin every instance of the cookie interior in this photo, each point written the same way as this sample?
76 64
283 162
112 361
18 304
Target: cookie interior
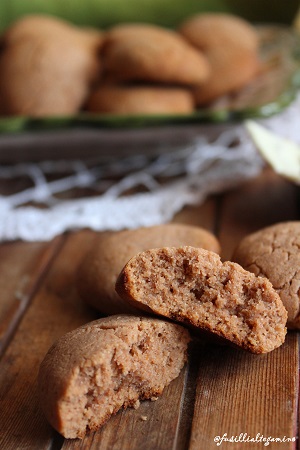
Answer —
193 286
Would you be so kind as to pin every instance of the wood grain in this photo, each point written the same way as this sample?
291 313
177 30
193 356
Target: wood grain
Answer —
22 266
242 393
258 203
236 392
167 423
202 216
54 310
221 390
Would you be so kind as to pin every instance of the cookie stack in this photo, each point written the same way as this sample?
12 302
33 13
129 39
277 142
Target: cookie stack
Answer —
49 67
170 285
149 69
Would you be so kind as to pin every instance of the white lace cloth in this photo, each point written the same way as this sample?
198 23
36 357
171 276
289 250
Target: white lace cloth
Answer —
189 175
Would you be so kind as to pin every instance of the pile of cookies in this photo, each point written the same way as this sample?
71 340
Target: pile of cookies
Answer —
49 67
164 285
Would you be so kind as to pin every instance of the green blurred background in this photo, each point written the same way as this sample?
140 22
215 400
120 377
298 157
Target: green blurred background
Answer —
103 13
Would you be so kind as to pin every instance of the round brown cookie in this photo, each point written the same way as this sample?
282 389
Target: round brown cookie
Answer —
192 286
93 371
47 66
212 30
231 46
141 52
230 74
274 253
99 270
113 99
36 25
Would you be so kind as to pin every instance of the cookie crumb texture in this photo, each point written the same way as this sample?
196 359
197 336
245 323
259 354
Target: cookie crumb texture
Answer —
192 286
93 371
274 252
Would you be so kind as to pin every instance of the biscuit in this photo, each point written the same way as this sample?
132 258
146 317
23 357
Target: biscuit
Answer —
274 252
193 287
115 99
35 25
47 67
212 30
140 52
99 270
231 47
93 371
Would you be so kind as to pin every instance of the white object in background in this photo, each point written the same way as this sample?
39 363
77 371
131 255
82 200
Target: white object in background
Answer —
190 175
282 154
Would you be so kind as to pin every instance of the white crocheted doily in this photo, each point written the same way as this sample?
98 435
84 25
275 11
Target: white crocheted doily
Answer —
168 182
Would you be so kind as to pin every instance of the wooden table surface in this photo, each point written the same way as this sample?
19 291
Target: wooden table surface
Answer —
221 390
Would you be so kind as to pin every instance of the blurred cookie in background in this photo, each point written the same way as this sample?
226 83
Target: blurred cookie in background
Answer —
143 52
131 99
47 66
231 46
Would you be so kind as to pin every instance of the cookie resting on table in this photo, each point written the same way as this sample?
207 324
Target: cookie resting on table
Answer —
93 371
47 66
230 44
142 52
274 252
192 286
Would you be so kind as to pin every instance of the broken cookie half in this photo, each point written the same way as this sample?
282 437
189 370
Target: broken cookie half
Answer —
93 371
192 286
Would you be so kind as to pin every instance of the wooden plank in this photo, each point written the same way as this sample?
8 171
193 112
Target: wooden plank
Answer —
202 216
167 424
161 425
241 393
238 392
54 310
258 203
22 266
263 386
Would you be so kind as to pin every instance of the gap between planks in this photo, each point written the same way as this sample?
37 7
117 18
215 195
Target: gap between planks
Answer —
55 284
53 310
24 293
